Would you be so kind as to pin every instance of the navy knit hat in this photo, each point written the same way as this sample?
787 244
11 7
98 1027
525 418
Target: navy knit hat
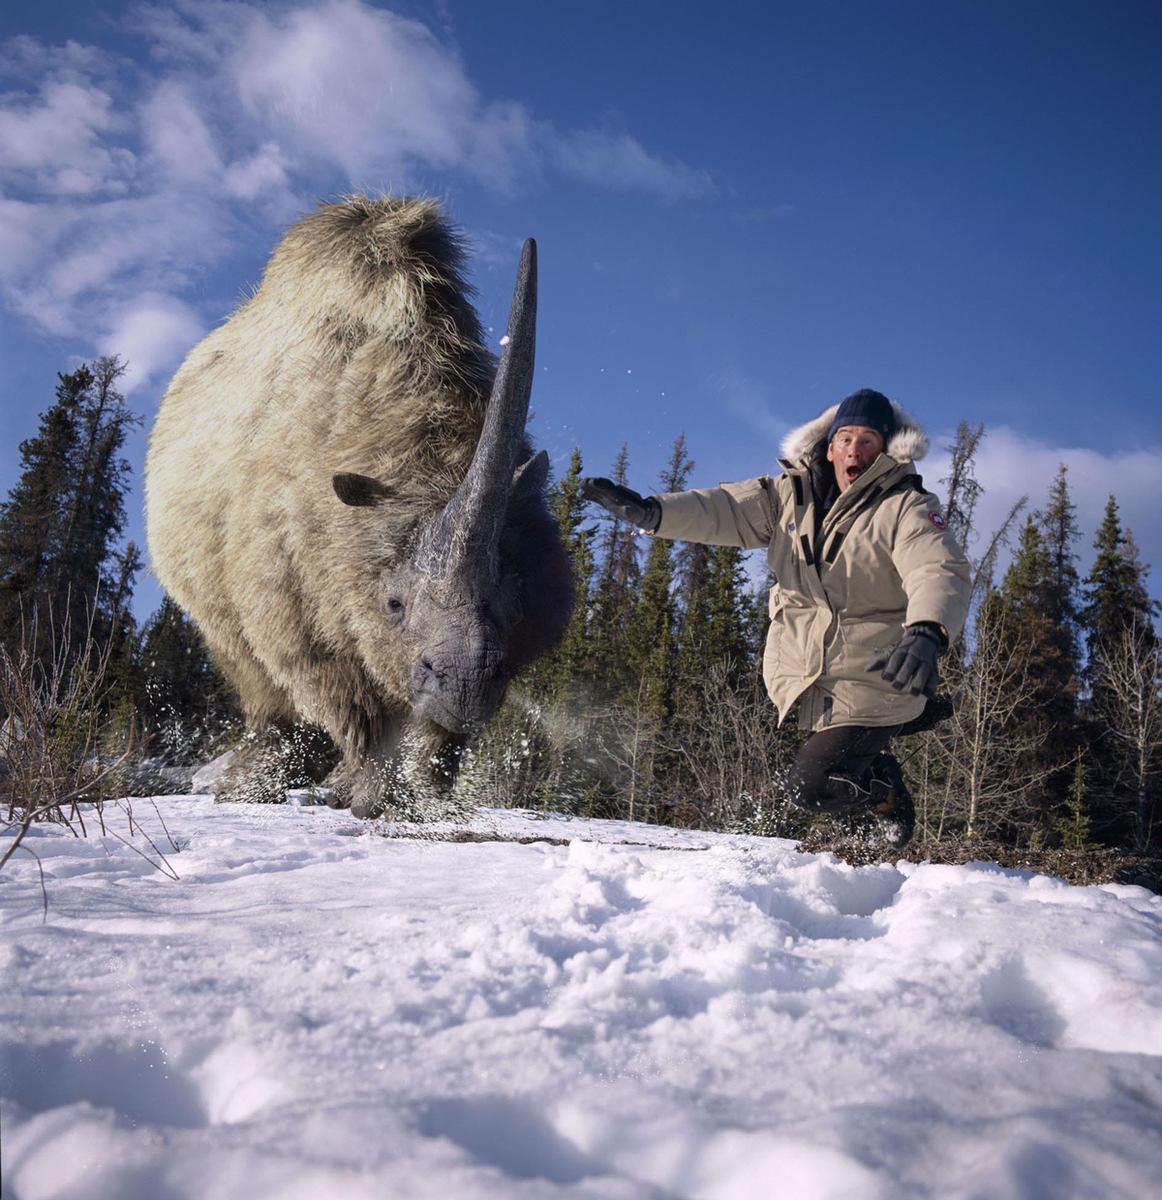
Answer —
868 408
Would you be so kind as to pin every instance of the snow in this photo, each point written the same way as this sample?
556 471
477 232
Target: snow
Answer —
319 1007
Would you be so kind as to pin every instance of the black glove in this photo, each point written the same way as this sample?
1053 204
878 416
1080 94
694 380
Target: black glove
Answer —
912 664
643 511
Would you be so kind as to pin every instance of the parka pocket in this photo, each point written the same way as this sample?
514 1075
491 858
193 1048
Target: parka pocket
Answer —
861 641
794 650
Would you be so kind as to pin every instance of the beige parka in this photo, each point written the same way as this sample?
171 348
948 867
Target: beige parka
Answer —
882 557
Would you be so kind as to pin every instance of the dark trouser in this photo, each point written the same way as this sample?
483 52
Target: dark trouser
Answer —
831 772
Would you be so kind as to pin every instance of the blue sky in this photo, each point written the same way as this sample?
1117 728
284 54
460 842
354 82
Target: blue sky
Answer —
743 212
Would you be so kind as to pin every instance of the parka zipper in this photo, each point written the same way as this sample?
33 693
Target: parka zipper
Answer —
849 518
843 526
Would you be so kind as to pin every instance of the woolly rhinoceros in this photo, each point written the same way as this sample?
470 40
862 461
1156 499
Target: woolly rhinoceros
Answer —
341 493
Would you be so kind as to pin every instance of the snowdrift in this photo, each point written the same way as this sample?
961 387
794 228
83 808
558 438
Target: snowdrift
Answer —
562 1009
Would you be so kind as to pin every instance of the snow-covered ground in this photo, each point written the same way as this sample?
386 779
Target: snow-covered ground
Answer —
314 1010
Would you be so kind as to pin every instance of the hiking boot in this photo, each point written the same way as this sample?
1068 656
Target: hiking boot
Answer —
891 801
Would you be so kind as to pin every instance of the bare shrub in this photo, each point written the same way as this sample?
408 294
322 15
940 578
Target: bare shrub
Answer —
972 774
735 758
1129 706
60 755
721 767
543 757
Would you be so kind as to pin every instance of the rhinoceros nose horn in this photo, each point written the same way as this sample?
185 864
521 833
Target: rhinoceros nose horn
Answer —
463 538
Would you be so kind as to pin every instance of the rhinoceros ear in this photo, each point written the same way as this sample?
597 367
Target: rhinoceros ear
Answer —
360 491
531 476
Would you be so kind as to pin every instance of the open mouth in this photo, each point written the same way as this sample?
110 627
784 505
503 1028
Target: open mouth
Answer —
854 473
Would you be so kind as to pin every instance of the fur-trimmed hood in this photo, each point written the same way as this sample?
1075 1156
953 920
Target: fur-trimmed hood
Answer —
908 444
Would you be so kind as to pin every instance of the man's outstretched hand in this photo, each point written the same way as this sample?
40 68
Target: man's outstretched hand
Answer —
643 511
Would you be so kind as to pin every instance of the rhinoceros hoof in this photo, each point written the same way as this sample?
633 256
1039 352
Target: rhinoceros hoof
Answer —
367 806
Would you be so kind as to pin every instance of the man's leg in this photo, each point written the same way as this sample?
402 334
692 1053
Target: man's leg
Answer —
831 772
891 800
849 767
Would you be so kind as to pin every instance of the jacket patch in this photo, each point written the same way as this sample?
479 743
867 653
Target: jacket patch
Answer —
937 520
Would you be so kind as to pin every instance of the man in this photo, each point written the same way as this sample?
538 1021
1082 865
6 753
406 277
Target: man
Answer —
870 588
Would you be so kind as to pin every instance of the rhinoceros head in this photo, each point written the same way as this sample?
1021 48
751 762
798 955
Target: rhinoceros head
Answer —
454 599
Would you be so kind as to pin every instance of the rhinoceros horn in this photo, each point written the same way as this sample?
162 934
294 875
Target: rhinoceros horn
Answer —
462 540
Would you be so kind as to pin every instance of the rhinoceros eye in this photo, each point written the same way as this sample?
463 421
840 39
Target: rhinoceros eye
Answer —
395 607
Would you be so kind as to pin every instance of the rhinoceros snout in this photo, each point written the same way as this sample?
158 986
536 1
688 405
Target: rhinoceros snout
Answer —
457 694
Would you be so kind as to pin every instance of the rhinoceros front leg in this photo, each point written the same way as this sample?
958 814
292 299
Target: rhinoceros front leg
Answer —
407 775
270 760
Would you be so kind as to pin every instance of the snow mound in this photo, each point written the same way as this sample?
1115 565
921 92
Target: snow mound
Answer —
543 1007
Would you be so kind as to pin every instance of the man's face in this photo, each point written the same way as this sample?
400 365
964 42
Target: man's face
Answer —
853 449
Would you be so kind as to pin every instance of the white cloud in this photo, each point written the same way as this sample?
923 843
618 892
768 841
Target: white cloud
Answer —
376 93
151 335
179 141
63 122
1010 465
262 174
195 36
54 138
22 230
620 161
70 264
23 59
120 179
359 86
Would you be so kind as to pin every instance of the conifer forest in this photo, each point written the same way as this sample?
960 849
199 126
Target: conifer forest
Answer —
651 707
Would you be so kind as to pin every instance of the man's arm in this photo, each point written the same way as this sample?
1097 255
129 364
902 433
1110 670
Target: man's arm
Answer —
732 514
741 514
935 573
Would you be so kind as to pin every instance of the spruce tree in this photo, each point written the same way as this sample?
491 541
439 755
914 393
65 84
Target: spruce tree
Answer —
567 669
60 580
962 487
32 521
613 597
985 759
650 645
115 614
1031 600
1059 528
1115 595
730 616
1059 523
1122 673
693 605
651 636
186 703
676 473
722 629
